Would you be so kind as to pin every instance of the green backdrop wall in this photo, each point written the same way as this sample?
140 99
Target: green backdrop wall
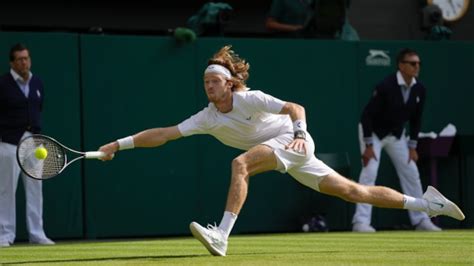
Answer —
100 88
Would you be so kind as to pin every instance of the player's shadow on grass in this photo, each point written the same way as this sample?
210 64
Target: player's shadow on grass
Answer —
105 259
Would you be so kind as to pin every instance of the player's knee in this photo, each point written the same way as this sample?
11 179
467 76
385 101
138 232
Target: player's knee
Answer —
239 167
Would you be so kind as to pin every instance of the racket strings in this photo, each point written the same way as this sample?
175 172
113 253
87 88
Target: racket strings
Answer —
54 163
41 168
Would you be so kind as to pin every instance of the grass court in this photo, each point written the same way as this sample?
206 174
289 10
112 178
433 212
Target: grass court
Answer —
450 247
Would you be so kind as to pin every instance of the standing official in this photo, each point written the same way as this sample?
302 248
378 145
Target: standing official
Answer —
398 99
21 102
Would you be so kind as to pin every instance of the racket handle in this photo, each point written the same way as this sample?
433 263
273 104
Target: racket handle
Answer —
94 154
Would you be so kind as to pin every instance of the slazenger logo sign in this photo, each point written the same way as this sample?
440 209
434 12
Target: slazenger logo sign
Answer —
377 58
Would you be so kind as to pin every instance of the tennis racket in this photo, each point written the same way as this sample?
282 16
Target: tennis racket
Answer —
54 163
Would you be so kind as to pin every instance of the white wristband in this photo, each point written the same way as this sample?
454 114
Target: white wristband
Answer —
126 143
299 125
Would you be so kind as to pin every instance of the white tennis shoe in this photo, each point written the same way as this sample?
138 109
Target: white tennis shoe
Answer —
363 228
211 237
439 205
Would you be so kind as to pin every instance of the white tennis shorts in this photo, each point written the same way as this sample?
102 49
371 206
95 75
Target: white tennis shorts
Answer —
305 168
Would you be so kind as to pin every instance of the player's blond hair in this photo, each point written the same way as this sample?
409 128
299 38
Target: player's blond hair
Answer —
236 65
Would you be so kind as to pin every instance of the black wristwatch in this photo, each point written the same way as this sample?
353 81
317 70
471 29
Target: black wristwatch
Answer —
300 134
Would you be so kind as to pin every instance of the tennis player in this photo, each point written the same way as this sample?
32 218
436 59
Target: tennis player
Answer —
273 135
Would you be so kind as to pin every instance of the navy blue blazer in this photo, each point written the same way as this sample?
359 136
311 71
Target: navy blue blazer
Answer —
17 112
387 113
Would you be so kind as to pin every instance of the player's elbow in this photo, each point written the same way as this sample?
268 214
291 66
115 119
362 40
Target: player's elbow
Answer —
299 108
162 136
292 108
167 134
296 110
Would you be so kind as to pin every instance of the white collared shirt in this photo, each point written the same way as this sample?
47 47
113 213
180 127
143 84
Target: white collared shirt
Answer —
404 87
254 119
23 84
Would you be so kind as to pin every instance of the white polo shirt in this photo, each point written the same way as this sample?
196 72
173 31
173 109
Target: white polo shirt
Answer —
254 119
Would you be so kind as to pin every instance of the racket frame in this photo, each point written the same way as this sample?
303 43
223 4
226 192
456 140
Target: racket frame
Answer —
82 155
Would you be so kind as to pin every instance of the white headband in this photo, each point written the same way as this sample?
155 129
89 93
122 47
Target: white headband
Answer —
219 70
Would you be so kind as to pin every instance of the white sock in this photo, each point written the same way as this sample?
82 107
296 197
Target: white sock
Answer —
414 204
227 222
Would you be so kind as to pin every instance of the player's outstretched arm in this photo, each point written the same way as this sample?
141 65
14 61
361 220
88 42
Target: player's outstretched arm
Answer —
145 139
156 137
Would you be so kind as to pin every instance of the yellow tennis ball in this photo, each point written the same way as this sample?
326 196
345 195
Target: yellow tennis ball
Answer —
41 153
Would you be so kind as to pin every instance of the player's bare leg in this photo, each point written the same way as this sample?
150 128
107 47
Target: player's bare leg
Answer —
337 185
433 202
256 160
